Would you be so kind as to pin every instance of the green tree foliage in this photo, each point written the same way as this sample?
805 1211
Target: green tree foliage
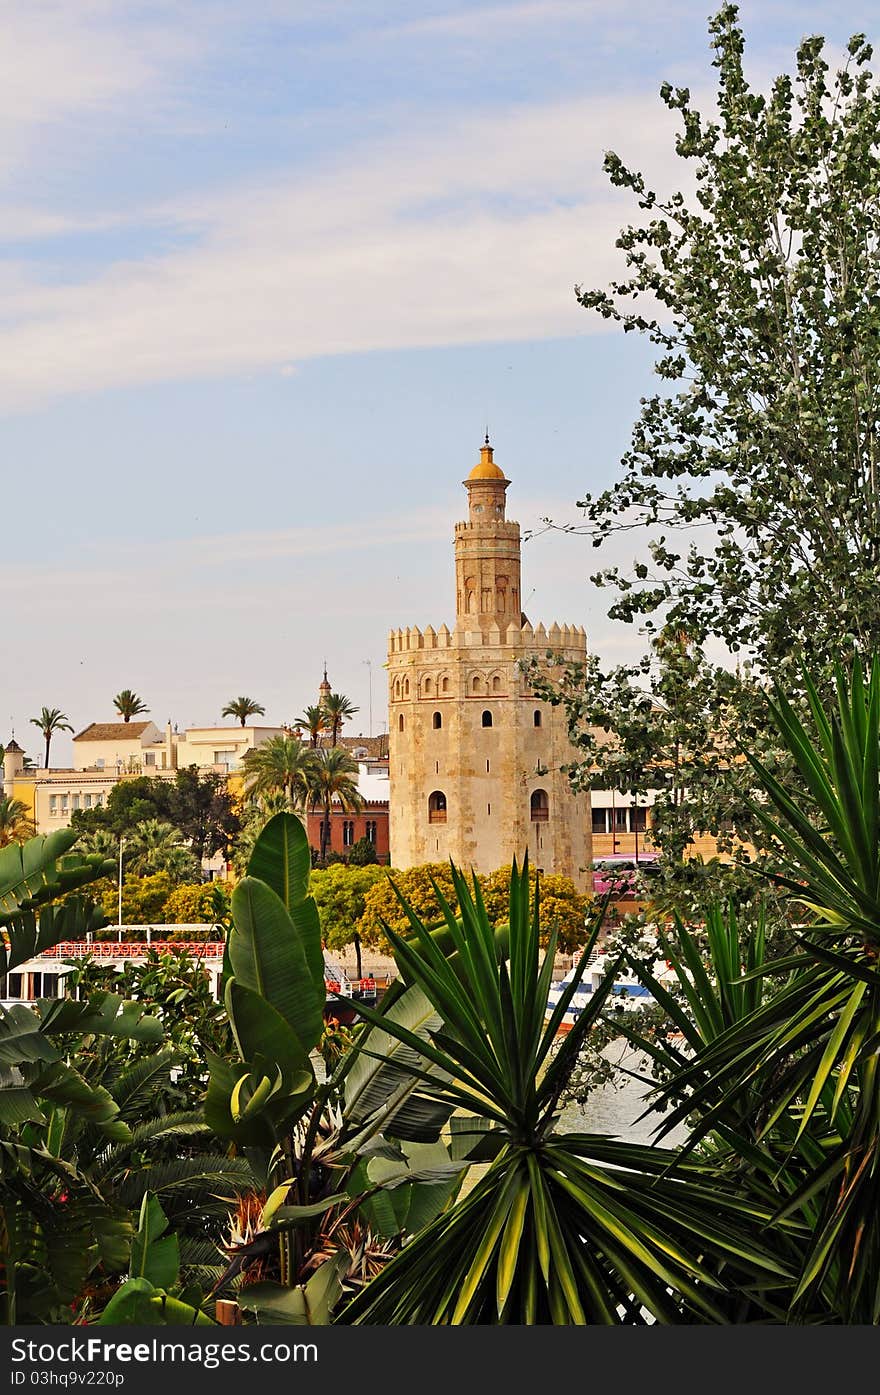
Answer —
129 705
129 802
382 905
333 780
205 903
314 721
156 846
564 909
752 470
16 821
198 805
281 765
765 427
340 894
143 899
338 709
363 853
241 708
203 811
50 720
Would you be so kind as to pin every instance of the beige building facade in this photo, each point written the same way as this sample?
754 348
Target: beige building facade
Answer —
475 759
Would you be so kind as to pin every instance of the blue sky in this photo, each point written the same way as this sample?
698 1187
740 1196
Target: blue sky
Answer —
268 271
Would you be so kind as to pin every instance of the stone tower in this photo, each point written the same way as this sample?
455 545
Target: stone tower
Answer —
474 757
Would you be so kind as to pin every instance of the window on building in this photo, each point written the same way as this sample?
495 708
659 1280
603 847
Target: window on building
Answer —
638 820
11 986
496 684
149 757
537 718
539 806
87 801
74 801
427 686
400 722
44 985
476 686
406 687
437 807
487 719
370 831
619 820
347 833
64 799
438 721
99 763
445 685
600 820
99 800
53 804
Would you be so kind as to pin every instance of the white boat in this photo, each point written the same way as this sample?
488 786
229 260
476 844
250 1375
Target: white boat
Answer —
627 994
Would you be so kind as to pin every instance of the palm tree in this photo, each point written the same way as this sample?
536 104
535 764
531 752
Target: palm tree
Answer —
98 840
337 709
281 764
334 778
242 708
314 721
157 846
51 719
129 705
16 823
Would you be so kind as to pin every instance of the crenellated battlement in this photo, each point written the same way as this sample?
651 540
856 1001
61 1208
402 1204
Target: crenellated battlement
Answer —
506 527
564 638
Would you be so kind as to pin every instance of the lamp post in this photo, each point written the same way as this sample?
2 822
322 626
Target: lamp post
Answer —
119 920
369 664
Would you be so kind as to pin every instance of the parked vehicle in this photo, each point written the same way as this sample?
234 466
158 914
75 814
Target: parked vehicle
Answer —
618 874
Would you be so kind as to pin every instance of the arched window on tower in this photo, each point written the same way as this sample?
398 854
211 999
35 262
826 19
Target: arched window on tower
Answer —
476 684
540 806
427 686
537 717
445 685
406 687
437 807
487 719
400 722
496 684
438 721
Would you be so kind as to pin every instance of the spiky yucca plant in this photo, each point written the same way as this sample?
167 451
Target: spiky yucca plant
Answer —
564 1228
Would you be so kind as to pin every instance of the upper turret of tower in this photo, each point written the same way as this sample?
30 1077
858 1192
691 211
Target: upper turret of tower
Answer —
485 468
487 488
487 560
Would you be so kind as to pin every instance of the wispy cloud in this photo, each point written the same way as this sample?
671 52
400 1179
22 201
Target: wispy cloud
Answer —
471 233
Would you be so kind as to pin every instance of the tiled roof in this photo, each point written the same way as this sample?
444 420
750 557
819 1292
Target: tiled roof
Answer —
376 747
113 731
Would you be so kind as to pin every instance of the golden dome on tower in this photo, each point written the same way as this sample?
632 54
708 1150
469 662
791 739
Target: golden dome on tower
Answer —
485 468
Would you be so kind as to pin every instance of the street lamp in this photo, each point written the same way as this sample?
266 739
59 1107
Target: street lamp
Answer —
119 921
369 664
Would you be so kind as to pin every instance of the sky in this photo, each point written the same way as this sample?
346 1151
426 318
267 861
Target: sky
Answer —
269 269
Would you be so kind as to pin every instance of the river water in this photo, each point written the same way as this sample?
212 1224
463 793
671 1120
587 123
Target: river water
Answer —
615 1108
